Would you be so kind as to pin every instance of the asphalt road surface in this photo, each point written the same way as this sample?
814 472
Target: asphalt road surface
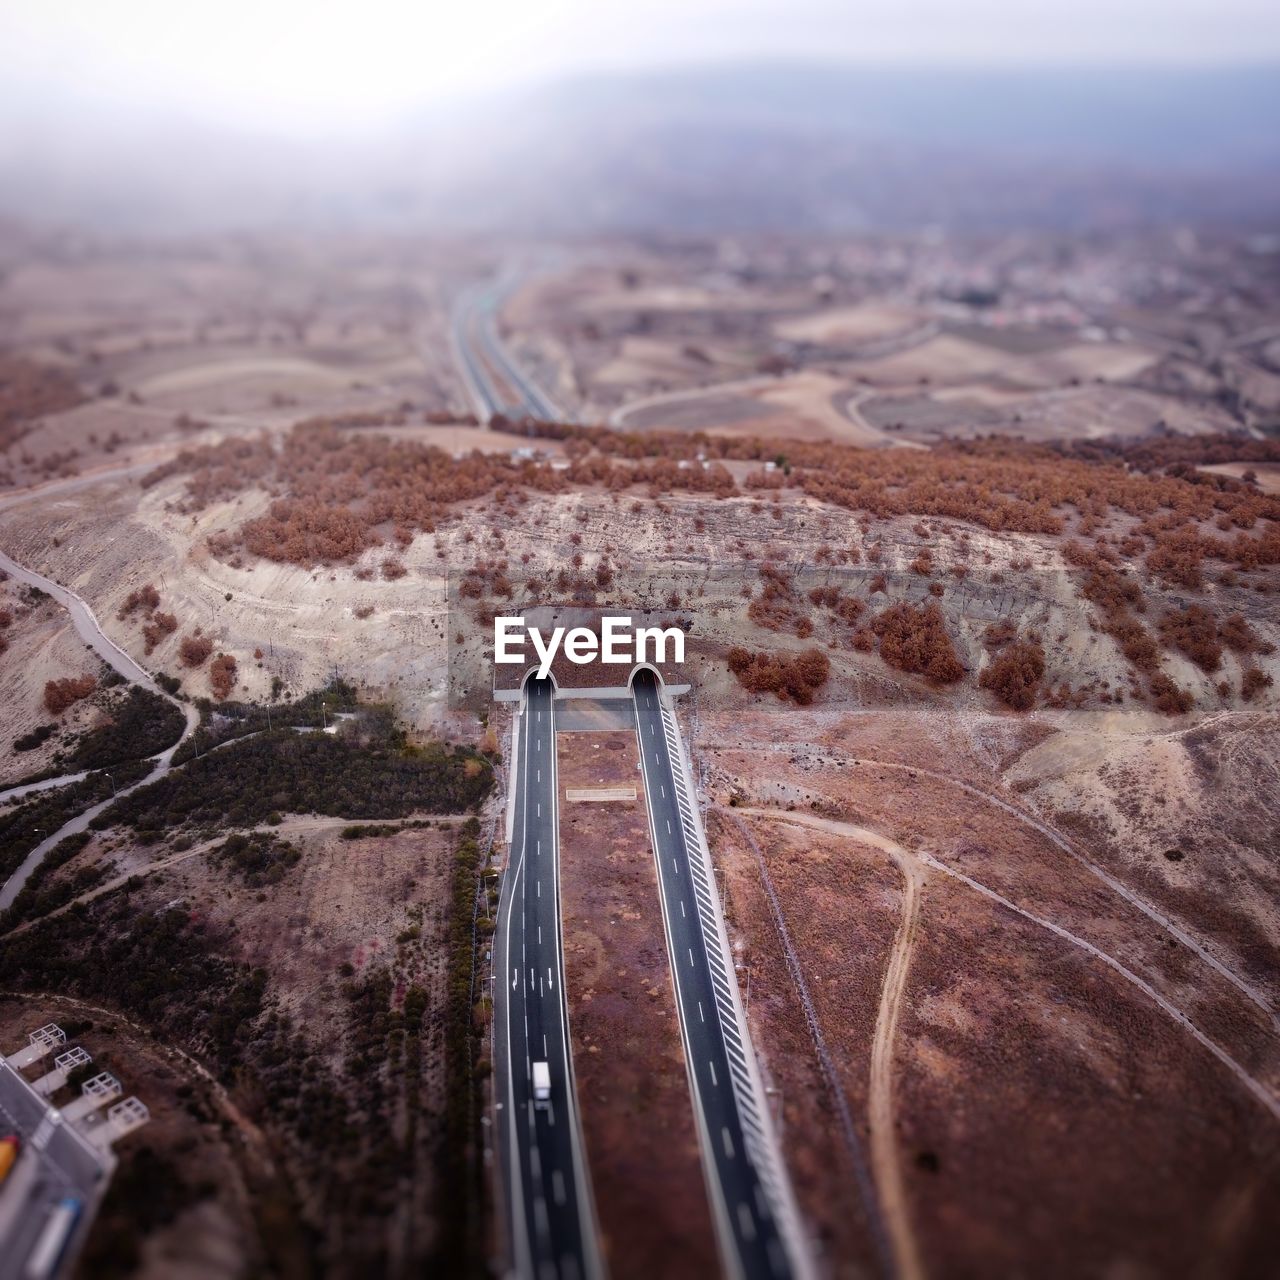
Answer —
751 1242
482 355
89 630
549 1210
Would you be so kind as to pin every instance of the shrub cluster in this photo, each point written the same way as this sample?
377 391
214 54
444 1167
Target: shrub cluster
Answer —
915 639
795 677
288 772
63 693
1014 675
222 676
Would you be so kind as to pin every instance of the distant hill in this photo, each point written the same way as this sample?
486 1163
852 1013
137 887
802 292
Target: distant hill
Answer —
741 147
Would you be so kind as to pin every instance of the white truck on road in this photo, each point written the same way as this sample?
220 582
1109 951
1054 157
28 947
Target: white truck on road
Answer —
541 1085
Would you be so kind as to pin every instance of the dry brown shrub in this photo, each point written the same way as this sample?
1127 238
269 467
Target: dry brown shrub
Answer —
999 633
1194 632
161 625
1170 699
1015 674
62 693
1235 632
146 598
794 677
916 640
1253 681
222 676
194 650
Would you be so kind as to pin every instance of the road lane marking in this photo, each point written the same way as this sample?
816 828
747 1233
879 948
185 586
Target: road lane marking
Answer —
727 1140
744 1222
683 913
668 826
714 1081
557 1186
690 957
701 1015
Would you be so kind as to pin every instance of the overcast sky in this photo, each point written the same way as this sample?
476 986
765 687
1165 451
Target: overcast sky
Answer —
299 64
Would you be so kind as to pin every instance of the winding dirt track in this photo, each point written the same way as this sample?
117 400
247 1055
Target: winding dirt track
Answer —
867 1181
885 1162
1056 838
1256 1088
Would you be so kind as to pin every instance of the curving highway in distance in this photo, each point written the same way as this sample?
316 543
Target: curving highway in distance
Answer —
495 382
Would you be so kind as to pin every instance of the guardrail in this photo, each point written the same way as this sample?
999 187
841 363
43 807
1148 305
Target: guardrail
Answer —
748 1087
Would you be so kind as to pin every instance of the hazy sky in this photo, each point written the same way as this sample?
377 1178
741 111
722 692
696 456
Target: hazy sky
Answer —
293 64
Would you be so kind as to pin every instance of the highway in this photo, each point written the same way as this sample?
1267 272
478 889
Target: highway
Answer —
495 382
549 1211
750 1198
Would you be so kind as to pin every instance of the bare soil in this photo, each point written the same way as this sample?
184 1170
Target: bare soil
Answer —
633 1088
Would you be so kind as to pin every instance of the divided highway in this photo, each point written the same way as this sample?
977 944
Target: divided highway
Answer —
494 380
550 1215
751 1202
